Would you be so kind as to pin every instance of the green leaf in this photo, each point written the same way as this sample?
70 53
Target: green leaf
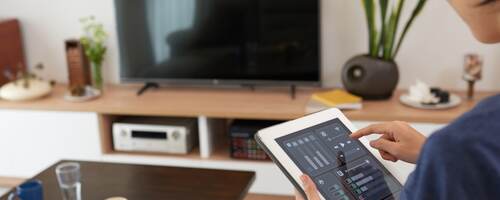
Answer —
392 30
93 40
369 6
388 38
384 4
418 9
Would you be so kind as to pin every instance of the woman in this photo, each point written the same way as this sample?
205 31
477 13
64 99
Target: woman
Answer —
461 161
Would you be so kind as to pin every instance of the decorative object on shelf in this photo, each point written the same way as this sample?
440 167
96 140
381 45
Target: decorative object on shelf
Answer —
333 99
78 68
80 89
376 75
243 144
11 48
473 67
93 42
422 96
86 93
25 85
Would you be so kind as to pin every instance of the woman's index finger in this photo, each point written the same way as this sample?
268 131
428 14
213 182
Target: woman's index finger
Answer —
371 129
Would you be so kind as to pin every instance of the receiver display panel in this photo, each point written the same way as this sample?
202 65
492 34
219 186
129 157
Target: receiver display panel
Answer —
149 134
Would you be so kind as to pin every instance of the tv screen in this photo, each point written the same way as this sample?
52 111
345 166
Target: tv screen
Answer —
219 41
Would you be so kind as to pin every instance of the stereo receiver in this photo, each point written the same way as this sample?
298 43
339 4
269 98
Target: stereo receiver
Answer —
158 135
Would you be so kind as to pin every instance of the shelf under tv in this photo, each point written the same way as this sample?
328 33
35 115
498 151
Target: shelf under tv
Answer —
230 103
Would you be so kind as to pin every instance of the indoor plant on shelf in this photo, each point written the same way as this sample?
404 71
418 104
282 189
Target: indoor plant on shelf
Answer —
93 42
375 75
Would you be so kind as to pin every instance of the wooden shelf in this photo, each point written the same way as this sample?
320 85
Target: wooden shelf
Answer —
194 154
392 109
221 149
181 102
230 103
221 145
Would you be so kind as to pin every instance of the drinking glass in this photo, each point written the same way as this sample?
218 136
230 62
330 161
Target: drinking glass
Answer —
68 176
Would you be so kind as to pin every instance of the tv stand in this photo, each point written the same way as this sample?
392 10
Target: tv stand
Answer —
293 91
249 86
147 86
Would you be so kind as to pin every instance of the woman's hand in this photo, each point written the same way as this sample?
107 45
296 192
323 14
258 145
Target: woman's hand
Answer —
309 189
399 141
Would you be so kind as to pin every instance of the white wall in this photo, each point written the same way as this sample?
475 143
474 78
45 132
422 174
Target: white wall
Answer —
433 50
30 141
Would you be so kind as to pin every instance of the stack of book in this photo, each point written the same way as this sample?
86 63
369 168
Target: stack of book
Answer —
333 99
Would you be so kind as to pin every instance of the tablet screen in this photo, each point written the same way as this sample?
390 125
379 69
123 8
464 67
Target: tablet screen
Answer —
341 167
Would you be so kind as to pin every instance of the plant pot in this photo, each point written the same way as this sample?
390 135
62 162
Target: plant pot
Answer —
370 78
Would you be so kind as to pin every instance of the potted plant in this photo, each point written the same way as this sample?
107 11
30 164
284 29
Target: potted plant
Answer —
375 75
93 42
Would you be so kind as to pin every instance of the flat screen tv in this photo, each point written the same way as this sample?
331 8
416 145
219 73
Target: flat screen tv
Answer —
248 42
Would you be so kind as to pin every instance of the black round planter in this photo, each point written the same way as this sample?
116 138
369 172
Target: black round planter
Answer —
369 77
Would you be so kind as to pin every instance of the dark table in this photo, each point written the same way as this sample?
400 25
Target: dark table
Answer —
142 182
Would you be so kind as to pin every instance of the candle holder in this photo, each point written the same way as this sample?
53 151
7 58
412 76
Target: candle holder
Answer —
473 67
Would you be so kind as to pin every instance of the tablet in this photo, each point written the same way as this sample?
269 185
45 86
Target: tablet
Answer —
319 145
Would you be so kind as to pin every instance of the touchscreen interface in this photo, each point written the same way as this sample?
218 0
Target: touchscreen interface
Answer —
341 167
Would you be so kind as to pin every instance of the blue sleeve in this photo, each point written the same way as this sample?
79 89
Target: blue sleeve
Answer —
446 169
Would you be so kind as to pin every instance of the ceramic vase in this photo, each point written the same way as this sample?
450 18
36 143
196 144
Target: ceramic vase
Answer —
370 78
97 80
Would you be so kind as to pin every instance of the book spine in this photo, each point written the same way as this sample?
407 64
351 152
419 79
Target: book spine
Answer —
323 101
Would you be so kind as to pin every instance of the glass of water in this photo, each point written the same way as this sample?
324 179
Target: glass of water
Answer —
68 176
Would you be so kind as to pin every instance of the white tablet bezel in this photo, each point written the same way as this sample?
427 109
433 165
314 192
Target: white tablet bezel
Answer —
269 135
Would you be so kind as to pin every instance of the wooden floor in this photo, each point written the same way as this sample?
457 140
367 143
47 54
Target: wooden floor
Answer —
267 197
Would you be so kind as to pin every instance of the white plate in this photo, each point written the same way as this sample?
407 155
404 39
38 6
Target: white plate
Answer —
90 94
455 101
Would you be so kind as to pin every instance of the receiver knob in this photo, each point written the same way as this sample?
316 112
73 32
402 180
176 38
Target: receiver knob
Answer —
176 135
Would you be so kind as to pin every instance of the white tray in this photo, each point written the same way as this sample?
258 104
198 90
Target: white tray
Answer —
455 101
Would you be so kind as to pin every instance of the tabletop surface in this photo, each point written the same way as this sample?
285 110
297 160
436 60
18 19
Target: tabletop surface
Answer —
140 182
